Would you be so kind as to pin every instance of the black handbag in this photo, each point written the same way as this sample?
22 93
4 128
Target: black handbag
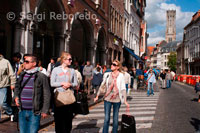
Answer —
81 104
128 124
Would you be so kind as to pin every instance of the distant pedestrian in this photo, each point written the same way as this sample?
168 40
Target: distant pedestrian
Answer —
79 77
134 78
41 69
97 79
32 96
97 66
51 66
21 68
62 78
8 80
150 80
197 88
104 68
114 96
87 72
16 63
163 79
173 75
127 78
169 78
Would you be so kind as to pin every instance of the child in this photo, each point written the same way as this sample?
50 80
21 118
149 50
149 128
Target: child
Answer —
197 88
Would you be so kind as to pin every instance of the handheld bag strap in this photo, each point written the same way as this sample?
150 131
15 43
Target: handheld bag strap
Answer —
128 111
149 77
27 80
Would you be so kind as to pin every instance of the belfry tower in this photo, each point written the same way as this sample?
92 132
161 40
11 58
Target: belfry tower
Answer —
170 34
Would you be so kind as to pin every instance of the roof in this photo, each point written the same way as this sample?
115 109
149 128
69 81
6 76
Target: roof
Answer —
195 18
150 49
170 47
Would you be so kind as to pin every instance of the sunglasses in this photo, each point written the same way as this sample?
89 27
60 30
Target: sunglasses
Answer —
70 59
27 62
114 64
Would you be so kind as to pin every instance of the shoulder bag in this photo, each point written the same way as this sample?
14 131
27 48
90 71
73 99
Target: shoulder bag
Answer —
102 87
65 97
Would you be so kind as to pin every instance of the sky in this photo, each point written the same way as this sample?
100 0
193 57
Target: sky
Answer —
155 15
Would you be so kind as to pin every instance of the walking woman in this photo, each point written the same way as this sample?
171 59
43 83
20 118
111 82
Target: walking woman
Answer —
115 94
64 78
150 80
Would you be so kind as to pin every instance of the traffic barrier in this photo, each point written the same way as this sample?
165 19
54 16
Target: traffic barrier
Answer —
179 78
188 79
183 78
195 78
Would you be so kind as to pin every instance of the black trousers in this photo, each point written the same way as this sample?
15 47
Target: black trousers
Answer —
63 119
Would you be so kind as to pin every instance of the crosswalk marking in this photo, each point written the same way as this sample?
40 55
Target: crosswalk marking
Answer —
143 108
101 114
131 108
100 130
101 121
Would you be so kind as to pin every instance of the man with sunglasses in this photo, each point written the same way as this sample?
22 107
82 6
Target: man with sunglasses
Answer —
32 96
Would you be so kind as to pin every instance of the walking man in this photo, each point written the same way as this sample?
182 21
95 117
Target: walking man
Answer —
7 80
169 78
87 72
32 96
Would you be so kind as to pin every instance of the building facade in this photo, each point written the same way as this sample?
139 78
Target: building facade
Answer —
134 31
116 31
165 52
180 65
191 42
170 34
47 28
93 30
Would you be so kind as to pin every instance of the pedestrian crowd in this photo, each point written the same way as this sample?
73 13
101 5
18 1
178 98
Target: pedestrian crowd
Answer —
34 88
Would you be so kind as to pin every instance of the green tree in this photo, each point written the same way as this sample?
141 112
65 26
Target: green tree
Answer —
172 61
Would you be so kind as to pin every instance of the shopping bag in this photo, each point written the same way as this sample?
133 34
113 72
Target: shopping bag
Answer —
81 104
128 124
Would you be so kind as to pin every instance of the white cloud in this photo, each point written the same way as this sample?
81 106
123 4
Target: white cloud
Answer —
156 17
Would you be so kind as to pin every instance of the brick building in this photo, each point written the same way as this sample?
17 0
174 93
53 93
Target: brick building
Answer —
47 28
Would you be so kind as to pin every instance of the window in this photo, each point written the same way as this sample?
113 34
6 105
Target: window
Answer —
170 39
111 18
115 22
102 4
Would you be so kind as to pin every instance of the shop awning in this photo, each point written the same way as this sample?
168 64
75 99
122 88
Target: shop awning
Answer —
133 54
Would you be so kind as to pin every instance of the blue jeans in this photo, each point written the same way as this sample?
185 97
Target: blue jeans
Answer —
3 101
126 88
28 121
168 83
107 111
150 86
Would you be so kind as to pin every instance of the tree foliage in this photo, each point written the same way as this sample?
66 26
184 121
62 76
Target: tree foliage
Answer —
172 61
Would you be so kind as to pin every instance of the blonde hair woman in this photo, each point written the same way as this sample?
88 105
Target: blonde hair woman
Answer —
114 96
64 78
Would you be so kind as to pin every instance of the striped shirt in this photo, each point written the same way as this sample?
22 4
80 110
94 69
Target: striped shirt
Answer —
27 92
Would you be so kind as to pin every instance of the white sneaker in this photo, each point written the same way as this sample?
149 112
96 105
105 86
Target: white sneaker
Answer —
11 118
